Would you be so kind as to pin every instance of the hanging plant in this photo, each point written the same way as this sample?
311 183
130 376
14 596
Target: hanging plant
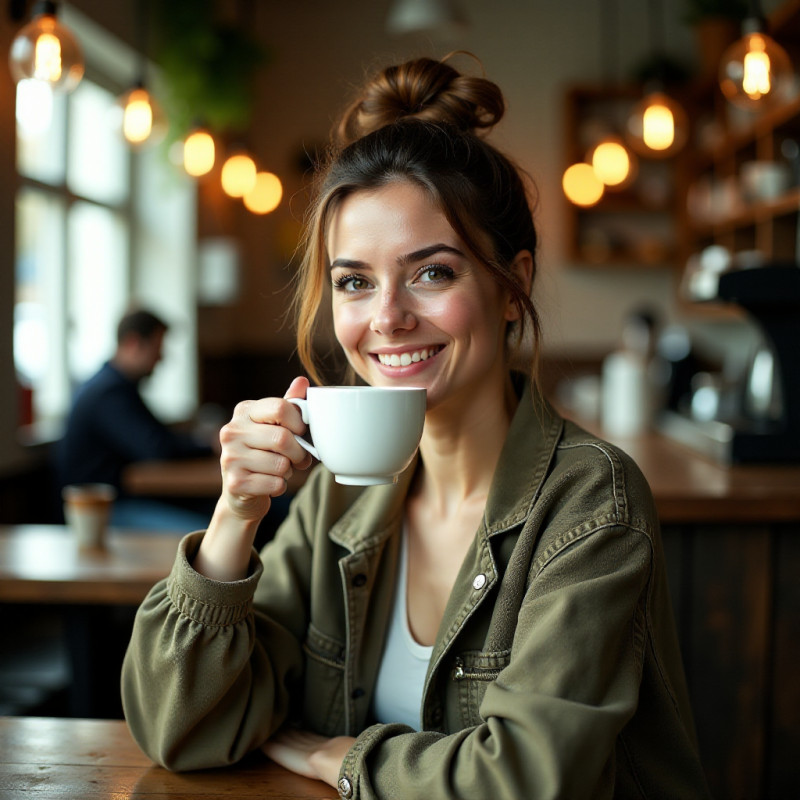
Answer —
208 67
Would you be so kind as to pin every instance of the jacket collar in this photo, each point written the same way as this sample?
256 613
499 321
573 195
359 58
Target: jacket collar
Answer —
524 461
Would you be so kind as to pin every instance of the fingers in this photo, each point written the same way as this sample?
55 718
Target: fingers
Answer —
259 452
298 387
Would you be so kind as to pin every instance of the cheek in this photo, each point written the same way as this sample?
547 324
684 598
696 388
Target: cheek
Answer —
348 325
464 317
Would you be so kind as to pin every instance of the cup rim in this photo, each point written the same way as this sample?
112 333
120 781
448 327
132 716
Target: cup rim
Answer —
89 491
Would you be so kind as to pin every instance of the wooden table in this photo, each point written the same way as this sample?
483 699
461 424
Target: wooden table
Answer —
191 477
92 592
43 564
82 759
184 478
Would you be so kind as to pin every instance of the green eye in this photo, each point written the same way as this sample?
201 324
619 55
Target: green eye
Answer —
435 273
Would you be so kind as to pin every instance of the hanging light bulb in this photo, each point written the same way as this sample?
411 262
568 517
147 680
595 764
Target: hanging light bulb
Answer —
581 185
143 122
199 153
657 126
238 175
266 194
613 163
45 50
755 71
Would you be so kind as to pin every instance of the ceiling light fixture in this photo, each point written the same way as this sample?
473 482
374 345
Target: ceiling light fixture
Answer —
657 126
47 51
143 122
755 71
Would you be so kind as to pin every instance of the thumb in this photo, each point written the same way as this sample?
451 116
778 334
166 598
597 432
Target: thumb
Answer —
298 388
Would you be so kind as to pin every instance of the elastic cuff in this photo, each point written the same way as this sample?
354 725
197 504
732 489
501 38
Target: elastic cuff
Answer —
210 602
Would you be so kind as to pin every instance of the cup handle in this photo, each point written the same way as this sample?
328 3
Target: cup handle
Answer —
302 404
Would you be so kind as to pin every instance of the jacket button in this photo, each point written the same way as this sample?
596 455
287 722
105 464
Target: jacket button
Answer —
357 693
479 582
360 579
345 788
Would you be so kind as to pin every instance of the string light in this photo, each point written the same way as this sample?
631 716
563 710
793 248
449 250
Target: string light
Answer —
613 163
199 153
581 185
142 119
266 194
238 175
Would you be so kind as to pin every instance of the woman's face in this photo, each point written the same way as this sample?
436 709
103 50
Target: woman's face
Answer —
411 306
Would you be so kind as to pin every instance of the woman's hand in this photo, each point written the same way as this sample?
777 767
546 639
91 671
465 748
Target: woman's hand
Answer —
259 455
309 754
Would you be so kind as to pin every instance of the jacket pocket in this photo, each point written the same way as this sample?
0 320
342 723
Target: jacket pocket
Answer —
472 673
323 702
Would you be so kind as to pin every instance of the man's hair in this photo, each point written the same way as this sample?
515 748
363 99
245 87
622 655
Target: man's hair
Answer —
140 322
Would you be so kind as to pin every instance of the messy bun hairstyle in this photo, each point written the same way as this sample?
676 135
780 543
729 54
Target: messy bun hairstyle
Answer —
423 122
425 90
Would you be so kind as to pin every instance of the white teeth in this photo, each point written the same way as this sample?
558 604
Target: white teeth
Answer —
404 359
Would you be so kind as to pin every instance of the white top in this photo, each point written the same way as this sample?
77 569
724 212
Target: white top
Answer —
404 664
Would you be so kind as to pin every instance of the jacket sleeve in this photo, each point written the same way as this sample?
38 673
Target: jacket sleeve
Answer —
207 677
134 432
550 719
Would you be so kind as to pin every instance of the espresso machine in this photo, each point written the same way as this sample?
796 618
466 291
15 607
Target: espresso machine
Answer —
770 295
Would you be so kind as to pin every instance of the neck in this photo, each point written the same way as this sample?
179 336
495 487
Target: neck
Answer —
460 451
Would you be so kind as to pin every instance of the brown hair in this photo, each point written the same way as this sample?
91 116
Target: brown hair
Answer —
420 122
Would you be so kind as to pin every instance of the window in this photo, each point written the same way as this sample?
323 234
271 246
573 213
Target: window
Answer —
98 228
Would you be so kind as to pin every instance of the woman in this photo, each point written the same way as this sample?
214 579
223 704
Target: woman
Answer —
496 624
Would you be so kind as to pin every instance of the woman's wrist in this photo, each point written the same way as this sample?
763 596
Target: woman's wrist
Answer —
224 553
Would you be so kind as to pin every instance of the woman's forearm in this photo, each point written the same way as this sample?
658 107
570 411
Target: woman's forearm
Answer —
224 554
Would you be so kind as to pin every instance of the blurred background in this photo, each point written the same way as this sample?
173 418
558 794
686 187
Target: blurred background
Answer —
159 152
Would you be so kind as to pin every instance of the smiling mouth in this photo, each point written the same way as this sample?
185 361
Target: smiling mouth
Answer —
407 358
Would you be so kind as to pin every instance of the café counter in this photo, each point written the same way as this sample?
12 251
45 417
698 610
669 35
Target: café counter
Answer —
732 542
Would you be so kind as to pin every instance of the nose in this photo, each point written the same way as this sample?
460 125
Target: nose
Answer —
392 313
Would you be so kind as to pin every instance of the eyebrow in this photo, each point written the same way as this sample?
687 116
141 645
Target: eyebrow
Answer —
409 258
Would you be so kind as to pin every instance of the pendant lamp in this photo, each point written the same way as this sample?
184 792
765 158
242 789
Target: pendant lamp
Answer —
47 51
657 126
755 71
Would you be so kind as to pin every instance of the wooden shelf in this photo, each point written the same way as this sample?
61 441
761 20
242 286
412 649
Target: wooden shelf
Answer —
752 214
770 227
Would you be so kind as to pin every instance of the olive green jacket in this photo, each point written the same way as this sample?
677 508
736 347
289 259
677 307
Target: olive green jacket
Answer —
555 673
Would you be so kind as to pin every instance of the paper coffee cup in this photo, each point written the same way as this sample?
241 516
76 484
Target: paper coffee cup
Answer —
87 508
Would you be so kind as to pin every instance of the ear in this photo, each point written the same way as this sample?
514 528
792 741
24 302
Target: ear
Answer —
522 270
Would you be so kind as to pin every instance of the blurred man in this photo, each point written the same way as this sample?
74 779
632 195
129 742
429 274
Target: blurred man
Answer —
110 426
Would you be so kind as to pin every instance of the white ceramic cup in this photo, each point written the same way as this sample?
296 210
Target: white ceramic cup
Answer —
364 435
87 508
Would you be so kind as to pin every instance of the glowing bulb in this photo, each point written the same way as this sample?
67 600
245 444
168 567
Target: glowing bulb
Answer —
142 119
755 71
47 58
755 80
45 50
657 126
199 153
581 186
238 175
266 194
613 163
